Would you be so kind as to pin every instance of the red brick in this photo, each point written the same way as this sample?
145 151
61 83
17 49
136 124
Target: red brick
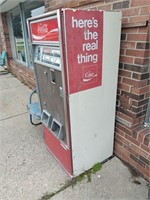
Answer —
130 12
145 160
144 147
119 79
137 37
125 102
143 90
124 87
129 30
110 1
125 73
148 168
136 53
136 132
143 45
145 10
132 163
126 59
141 76
143 29
118 149
105 7
135 3
136 110
147 139
118 142
144 171
128 148
118 131
125 155
139 150
132 140
141 136
141 61
122 51
137 160
131 82
140 103
139 19
125 117
124 128
145 108
125 20
147 95
128 45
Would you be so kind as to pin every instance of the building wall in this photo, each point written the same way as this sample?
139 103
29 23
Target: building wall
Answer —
4 36
131 137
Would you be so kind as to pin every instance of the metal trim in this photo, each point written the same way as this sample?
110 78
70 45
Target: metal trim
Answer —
51 13
64 84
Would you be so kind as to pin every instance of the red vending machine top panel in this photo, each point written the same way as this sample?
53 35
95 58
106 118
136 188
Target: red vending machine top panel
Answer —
44 30
84 40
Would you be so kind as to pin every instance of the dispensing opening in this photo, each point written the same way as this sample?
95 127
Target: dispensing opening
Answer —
49 122
45 117
55 128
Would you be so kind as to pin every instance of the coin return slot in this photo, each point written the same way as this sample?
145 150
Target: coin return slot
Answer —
45 117
53 78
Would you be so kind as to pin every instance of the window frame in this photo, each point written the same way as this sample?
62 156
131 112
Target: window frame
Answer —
27 63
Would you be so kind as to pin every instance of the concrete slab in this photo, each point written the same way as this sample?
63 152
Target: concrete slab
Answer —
27 169
9 81
113 181
13 101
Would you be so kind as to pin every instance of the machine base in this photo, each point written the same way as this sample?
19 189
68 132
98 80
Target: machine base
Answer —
61 154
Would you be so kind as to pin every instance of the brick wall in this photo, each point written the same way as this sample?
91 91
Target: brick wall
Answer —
23 73
131 137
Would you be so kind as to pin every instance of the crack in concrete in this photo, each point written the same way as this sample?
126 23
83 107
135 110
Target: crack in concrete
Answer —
13 116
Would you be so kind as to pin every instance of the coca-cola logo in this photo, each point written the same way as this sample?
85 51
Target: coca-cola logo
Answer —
89 75
42 29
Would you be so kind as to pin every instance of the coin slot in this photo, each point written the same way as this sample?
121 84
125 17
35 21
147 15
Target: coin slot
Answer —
52 75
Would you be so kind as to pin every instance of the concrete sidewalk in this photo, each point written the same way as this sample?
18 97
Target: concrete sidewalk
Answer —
29 172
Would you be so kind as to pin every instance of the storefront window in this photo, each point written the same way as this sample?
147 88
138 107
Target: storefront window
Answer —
18 36
18 25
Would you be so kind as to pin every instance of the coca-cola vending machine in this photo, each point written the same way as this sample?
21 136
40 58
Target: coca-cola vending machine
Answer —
75 56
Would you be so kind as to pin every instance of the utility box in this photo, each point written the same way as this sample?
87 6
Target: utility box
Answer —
76 58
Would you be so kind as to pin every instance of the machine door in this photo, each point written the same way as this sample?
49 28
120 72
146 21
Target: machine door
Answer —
50 87
51 97
49 80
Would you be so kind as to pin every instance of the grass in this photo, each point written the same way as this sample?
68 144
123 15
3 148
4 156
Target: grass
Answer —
87 174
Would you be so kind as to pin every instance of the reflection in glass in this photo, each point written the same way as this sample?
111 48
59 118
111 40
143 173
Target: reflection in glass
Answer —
18 36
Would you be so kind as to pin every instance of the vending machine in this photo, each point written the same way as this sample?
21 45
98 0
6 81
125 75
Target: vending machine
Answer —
76 56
